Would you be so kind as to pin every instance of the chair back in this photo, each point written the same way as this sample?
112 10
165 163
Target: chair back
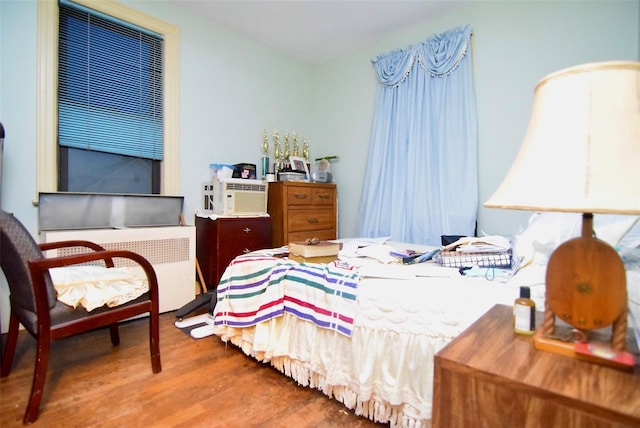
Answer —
17 247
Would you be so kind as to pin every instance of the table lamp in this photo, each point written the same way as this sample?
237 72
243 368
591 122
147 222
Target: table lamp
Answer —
581 153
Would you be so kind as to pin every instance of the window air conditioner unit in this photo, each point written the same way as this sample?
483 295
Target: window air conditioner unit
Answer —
236 196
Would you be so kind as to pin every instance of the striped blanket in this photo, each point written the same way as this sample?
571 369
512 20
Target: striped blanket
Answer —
256 288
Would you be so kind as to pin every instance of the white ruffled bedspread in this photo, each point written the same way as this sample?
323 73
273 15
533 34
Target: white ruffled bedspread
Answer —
385 370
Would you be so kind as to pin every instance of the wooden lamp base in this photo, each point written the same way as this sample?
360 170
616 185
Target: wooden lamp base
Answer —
592 351
586 288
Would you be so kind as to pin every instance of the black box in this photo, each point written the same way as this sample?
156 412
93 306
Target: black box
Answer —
244 170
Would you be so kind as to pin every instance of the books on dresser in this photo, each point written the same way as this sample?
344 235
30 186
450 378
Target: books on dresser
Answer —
321 249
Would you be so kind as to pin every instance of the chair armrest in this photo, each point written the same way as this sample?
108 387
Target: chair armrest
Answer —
45 246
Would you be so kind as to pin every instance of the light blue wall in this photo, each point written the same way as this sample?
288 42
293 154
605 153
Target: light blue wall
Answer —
516 43
231 88
17 106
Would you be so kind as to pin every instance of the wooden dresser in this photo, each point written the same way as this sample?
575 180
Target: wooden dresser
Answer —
219 241
301 210
491 377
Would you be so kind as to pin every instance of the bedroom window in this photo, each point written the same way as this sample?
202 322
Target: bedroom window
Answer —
109 104
60 150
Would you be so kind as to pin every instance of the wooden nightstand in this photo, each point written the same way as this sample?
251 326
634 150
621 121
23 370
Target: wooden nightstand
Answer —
301 210
220 241
491 377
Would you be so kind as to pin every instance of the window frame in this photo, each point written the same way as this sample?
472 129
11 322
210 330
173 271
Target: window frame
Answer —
47 87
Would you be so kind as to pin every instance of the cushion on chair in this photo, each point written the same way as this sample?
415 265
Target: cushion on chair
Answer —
93 286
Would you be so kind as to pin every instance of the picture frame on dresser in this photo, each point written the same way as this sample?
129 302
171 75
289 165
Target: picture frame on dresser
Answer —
300 164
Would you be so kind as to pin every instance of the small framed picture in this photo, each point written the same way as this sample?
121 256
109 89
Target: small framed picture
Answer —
299 164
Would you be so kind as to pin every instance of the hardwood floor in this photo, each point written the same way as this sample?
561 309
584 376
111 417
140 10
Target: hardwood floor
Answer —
203 383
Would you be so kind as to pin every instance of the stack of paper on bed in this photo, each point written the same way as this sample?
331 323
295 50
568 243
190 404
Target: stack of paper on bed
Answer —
487 251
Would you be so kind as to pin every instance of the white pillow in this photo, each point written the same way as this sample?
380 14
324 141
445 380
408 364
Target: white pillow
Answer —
629 249
547 230
631 239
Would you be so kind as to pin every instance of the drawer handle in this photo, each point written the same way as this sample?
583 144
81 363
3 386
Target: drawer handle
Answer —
246 250
300 195
323 196
246 230
312 219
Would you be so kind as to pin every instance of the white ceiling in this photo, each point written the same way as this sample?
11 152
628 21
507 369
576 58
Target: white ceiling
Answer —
316 31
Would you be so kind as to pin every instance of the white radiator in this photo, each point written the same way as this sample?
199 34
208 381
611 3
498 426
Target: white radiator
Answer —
171 251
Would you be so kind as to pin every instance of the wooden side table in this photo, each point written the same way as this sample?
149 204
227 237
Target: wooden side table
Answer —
491 377
220 241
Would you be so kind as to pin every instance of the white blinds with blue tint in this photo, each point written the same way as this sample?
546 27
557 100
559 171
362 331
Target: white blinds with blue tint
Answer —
109 85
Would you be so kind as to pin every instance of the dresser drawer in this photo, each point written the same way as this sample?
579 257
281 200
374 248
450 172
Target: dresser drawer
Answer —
244 236
310 219
324 235
299 196
323 196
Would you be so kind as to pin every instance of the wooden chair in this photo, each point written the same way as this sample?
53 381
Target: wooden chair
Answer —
34 304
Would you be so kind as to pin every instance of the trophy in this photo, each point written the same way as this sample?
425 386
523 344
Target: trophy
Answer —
296 146
265 153
276 150
305 150
287 151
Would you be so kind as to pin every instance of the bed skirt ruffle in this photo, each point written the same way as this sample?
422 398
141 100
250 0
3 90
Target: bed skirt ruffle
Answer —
369 373
374 409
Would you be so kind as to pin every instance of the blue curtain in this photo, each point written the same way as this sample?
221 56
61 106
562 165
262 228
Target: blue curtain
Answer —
421 178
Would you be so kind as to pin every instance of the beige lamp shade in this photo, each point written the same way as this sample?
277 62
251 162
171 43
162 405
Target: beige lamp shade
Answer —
581 152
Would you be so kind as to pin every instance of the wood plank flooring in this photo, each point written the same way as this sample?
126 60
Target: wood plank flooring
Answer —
203 383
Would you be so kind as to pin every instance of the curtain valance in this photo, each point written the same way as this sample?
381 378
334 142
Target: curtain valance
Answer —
438 56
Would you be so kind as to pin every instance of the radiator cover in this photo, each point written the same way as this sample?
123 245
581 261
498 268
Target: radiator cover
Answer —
171 251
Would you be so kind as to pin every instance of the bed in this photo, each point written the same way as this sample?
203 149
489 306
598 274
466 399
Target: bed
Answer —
365 330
